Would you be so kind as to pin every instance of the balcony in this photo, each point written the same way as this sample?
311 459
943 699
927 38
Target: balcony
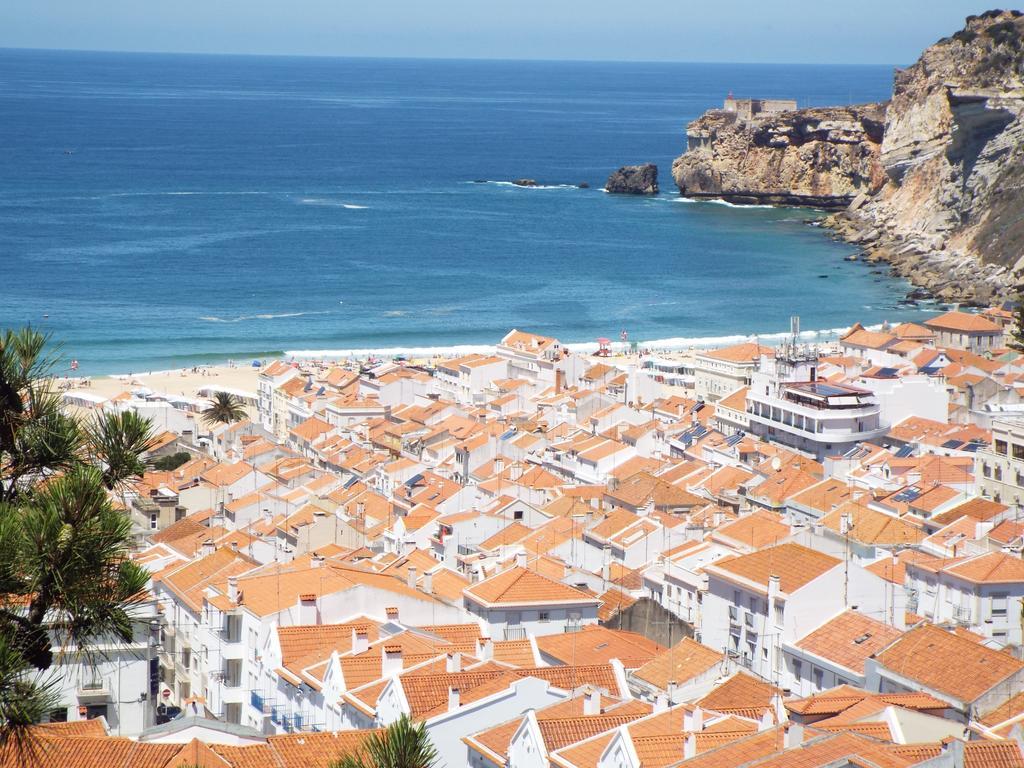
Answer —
93 688
256 701
515 632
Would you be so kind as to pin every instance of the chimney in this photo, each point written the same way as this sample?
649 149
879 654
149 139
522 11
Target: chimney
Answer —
671 691
207 548
794 735
520 559
484 648
515 471
845 523
233 589
660 703
453 662
316 561
428 583
690 746
360 639
606 563
453 698
591 701
559 380
774 587
234 545
391 661
693 720
410 577
309 611
391 613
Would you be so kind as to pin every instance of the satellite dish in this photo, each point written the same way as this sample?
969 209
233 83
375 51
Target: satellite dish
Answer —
776 463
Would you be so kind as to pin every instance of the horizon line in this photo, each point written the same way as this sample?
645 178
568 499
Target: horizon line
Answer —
36 49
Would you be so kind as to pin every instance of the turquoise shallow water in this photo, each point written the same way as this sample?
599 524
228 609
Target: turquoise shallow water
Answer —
159 210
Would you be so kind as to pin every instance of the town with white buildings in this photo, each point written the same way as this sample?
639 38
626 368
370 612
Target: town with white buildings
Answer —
794 555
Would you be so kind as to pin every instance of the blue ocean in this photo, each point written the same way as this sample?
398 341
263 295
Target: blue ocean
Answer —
166 210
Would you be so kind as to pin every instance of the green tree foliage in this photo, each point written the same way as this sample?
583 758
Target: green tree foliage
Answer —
172 461
402 744
224 409
65 577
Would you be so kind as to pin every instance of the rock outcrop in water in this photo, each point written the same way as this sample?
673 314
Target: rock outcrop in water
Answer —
935 182
634 180
817 157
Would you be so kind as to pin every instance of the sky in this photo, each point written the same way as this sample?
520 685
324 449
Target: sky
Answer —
769 31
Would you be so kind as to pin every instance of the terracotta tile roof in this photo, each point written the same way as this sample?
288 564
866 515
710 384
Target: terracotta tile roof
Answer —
947 663
963 322
684 661
823 496
516 652
794 564
868 526
848 640
990 568
737 400
510 534
613 601
895 573
835 701
519 586
823 751
564 723
741 752
977 509
756 530
977 754
741 694
643 487
598 645
746 352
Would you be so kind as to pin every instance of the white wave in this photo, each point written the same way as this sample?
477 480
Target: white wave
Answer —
524 186
262 316
715 201
339 354
180 194
674 343
325 202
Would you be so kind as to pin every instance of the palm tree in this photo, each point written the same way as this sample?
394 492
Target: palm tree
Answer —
400 745
224 409
65 576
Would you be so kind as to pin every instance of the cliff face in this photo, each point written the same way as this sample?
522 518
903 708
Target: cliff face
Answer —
951 215
932 182
818 157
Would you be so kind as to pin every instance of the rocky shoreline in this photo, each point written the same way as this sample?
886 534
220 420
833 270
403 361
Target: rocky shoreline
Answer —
931 182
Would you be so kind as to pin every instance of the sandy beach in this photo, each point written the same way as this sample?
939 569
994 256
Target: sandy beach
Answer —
187 381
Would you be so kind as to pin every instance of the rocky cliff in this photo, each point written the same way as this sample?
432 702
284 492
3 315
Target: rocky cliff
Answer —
817 157
937 189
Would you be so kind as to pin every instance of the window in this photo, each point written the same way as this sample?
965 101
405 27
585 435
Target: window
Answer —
545 616
798 669
59 715
819 679
1001 447
736 599
764 652
1018 452
999 600
986 470
779 610
517 515
154 520
753 604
